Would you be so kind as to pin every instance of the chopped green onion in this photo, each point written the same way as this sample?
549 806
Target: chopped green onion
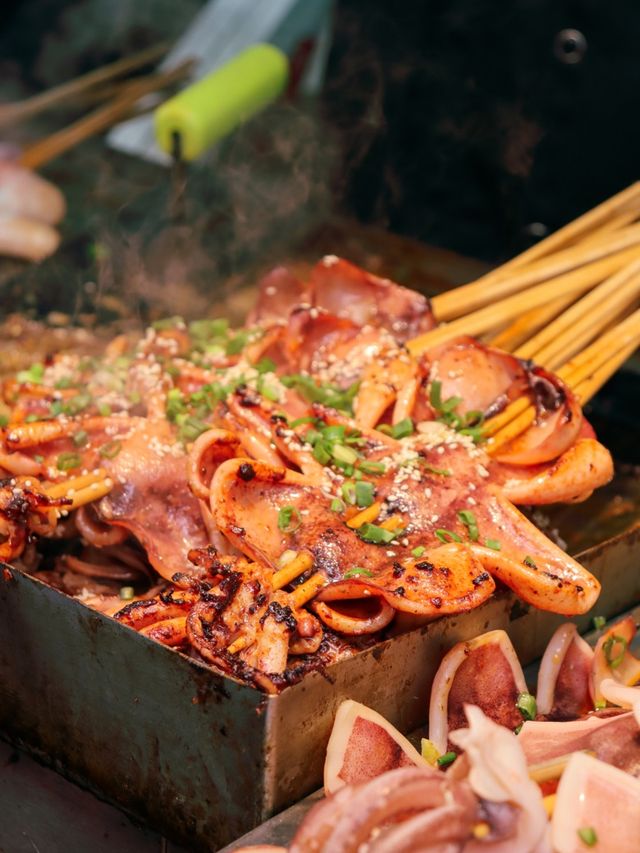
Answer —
238 342
111 449
372 467
600 704
327 394
364 493
32 418
265 365
204 331
599 622
376 535
348 490
334 433
446 759
518 729
357 570
344 454
493 544
337 505
526 704
608 649
289 519
402 429
33 375
38 458
445 535
588 836
191 428
134 398
167 323
81 438
320 453
435 395
4 419
299 421
418 551
267 390
77 404
528 561
104 409
444 472
175 404
68 461
63 382
469 521
127 593
385 429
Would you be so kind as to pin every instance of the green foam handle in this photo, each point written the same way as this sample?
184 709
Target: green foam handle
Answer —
208 110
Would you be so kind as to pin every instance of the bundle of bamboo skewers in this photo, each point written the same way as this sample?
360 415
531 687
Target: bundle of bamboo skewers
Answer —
569 303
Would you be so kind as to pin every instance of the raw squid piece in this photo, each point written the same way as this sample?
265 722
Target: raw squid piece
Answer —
563 678
364 745
612 658
593 796
484 672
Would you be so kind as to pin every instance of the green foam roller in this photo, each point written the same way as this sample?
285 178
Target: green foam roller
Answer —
211 108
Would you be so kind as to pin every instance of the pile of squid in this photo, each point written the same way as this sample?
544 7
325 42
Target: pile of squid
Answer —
502 770
270 498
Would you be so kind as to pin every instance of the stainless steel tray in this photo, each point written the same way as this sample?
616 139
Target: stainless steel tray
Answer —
202 757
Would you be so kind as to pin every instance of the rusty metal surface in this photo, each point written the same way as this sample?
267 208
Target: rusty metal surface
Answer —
200 756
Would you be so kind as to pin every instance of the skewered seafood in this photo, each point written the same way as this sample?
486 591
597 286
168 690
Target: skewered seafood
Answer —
320 460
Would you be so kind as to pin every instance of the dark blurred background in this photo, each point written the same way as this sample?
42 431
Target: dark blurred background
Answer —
474 125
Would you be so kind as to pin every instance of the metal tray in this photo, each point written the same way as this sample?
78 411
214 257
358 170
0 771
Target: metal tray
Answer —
202 757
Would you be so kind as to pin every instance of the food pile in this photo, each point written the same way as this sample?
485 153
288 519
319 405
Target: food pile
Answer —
566 781
269 498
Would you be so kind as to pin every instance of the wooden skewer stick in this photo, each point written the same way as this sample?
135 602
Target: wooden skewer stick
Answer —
529 323
585 374
591 313
11 113
47 149
515 274
573 283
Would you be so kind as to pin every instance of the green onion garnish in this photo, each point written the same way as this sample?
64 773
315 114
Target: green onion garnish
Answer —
402 429
265 365
167 323
348 490
358 570
337 505
444 472
372 467
344 454
528 561
608 647
526 704
599 622
104 409
33 375
377 535
469 521
289 519
364 493
446 759
494 544
588 836
445 535
111 449
418 551
127 593
68 461
81 438
191 428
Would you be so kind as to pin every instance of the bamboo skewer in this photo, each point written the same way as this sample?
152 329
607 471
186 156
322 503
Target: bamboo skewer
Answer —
593 311
573 283
516 274
104 117
529 323
585 374
10 113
